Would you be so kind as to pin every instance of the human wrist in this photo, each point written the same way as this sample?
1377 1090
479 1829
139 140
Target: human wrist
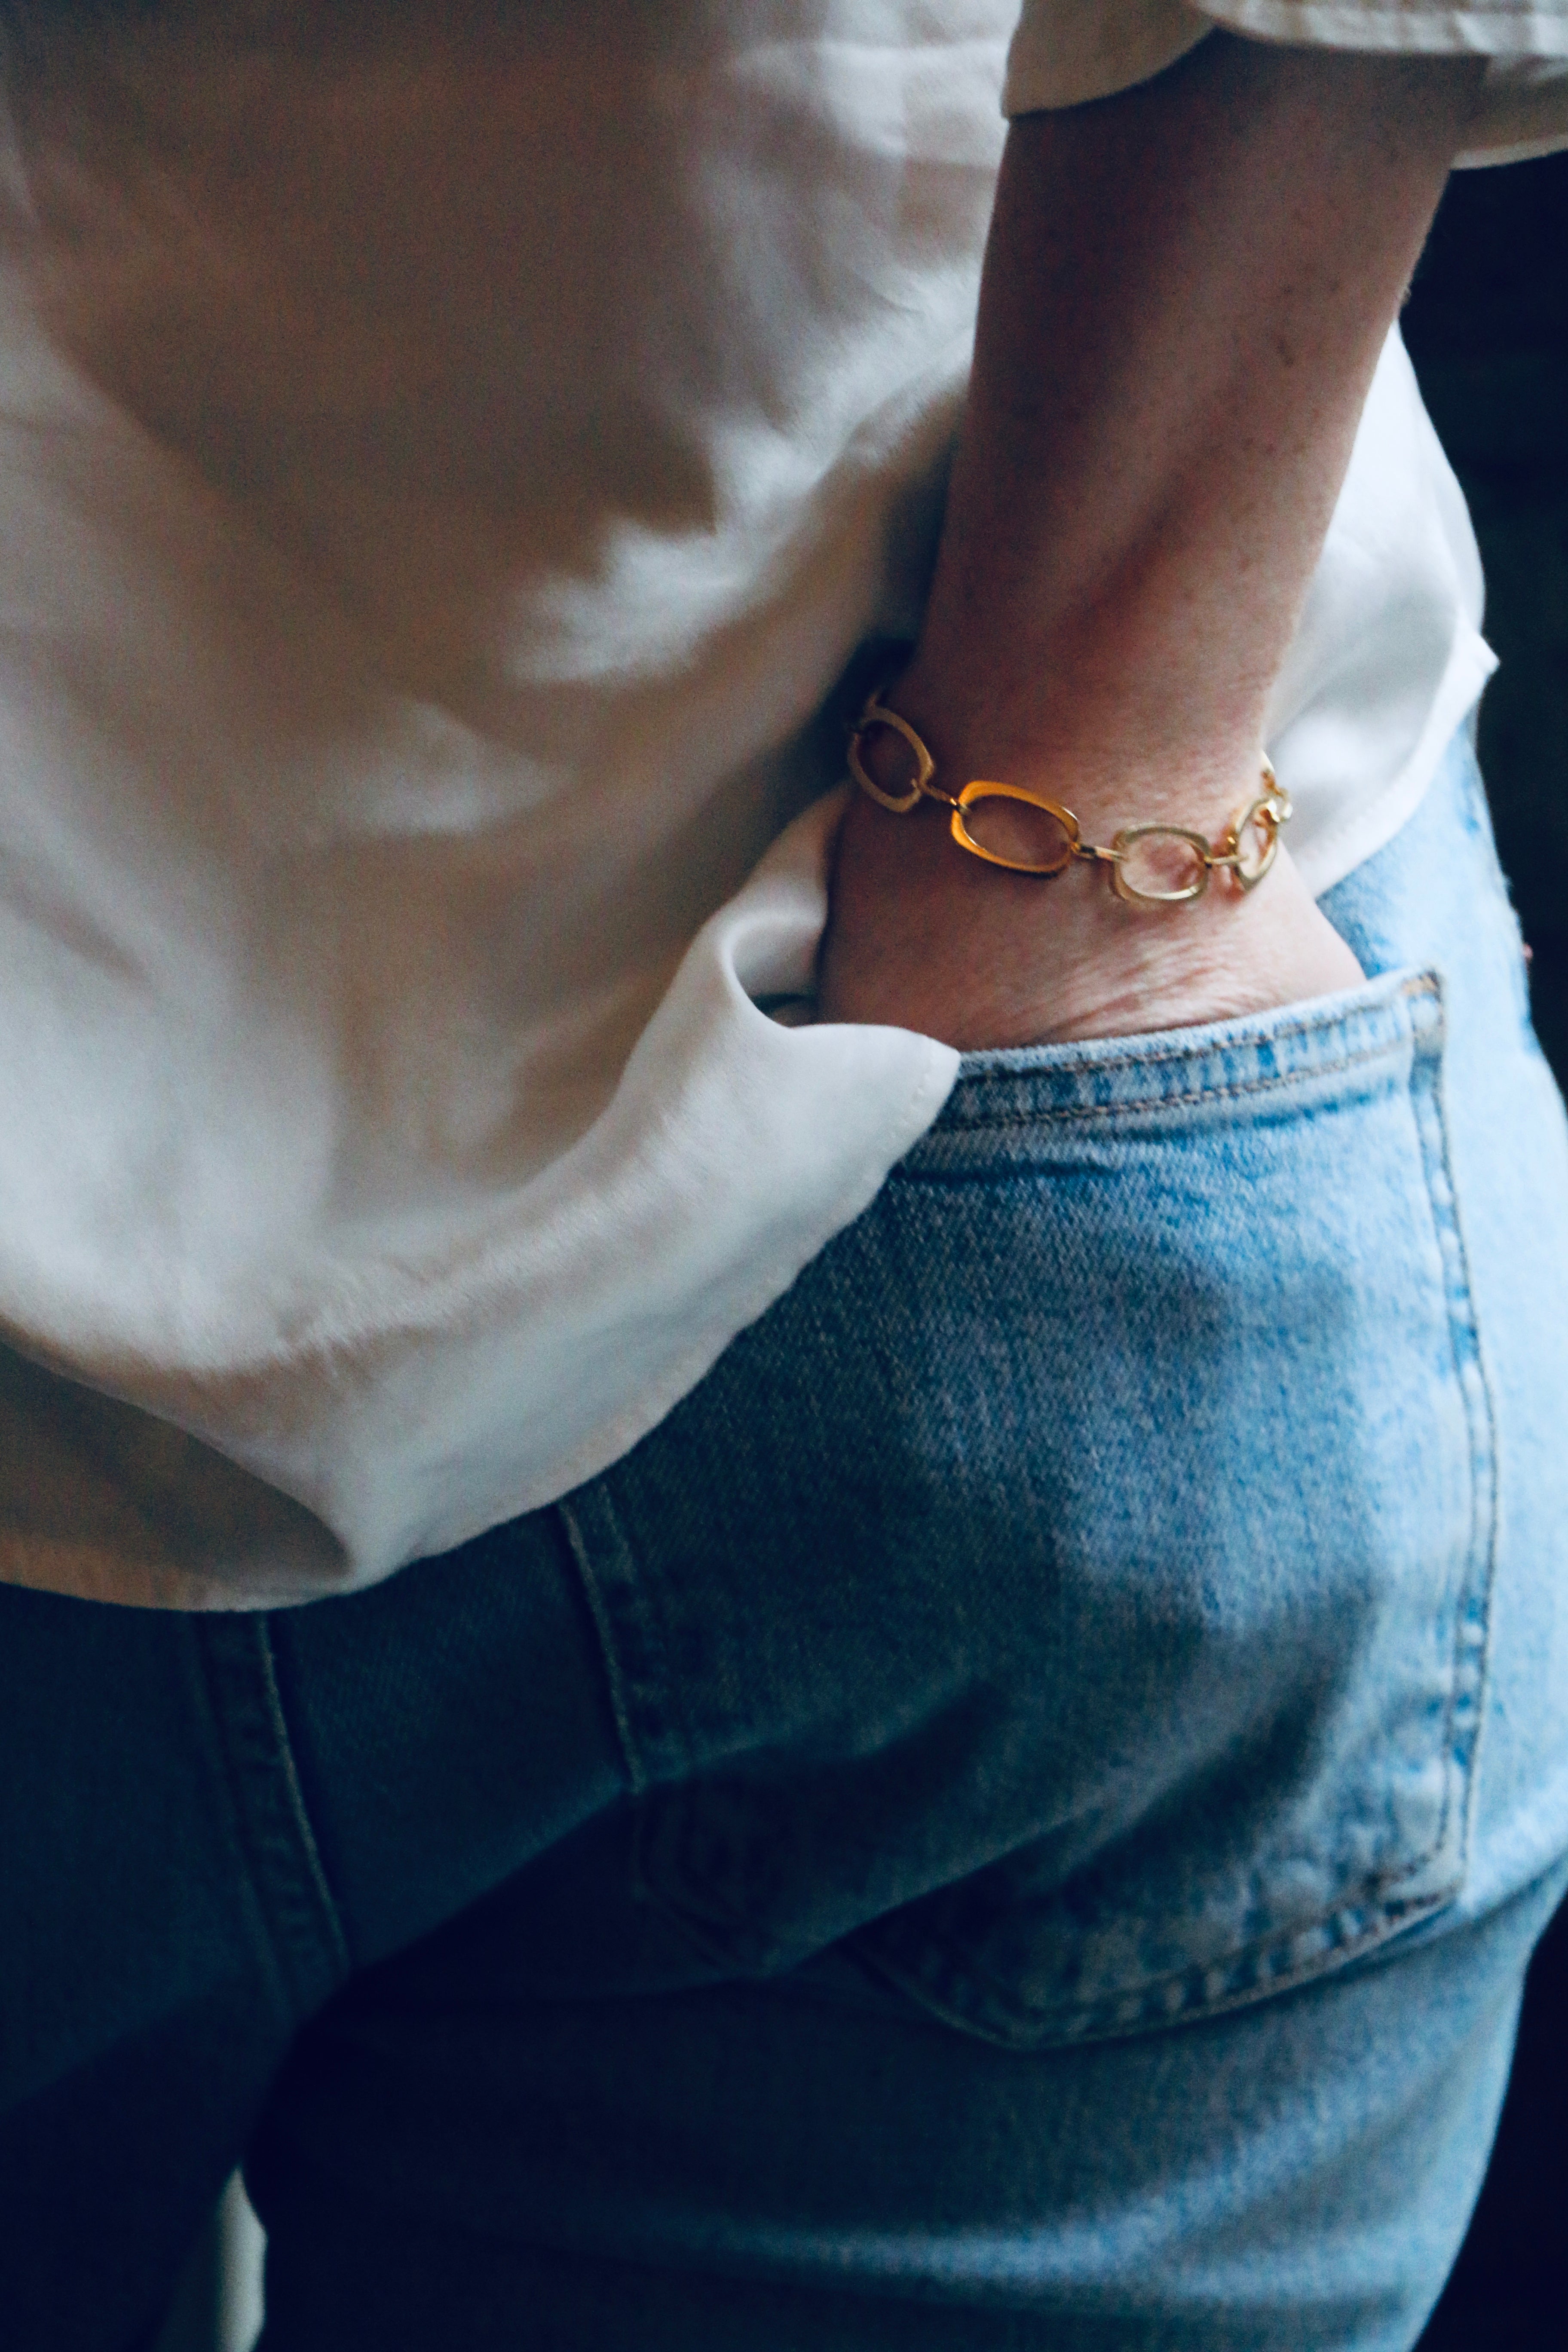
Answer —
1014 814
1167 756
923 937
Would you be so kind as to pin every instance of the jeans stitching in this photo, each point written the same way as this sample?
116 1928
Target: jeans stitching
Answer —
949 1988
1473 1602
621 1704
1383 1051
304 1930
315 1870
209 1678
644 1692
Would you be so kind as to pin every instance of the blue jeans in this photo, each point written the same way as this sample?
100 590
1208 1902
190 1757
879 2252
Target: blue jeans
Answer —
1017 1818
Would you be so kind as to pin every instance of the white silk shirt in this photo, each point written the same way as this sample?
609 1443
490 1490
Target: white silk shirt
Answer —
447 471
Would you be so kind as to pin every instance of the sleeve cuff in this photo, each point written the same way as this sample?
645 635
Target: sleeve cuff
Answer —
1069 52
1066 52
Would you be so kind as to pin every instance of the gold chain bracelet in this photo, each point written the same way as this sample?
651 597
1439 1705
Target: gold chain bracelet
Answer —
1174 854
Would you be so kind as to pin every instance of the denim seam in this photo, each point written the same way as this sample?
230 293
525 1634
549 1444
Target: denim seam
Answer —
644 1692
305 1931
294 1792
1384 1050
620 1700
209 1679
1187 1997
1473 1601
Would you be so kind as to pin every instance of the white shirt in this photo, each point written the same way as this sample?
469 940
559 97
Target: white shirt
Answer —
414 637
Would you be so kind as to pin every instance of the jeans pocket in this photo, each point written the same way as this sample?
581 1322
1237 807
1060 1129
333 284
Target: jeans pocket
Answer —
1070 1598
1262 1440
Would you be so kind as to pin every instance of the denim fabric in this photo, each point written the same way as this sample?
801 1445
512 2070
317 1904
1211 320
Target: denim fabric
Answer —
1015 1818
1145 1676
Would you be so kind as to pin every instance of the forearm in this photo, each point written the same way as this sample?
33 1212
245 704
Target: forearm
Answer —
1186 293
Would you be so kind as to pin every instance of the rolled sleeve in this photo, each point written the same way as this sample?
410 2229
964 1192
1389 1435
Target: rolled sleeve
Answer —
1067 52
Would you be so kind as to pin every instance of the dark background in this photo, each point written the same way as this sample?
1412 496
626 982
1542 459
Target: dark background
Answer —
1486 325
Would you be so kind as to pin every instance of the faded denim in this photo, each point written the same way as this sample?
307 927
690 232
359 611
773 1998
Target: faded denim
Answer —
1015 1818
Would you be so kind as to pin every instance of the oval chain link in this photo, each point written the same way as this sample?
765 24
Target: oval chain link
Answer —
1265 816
